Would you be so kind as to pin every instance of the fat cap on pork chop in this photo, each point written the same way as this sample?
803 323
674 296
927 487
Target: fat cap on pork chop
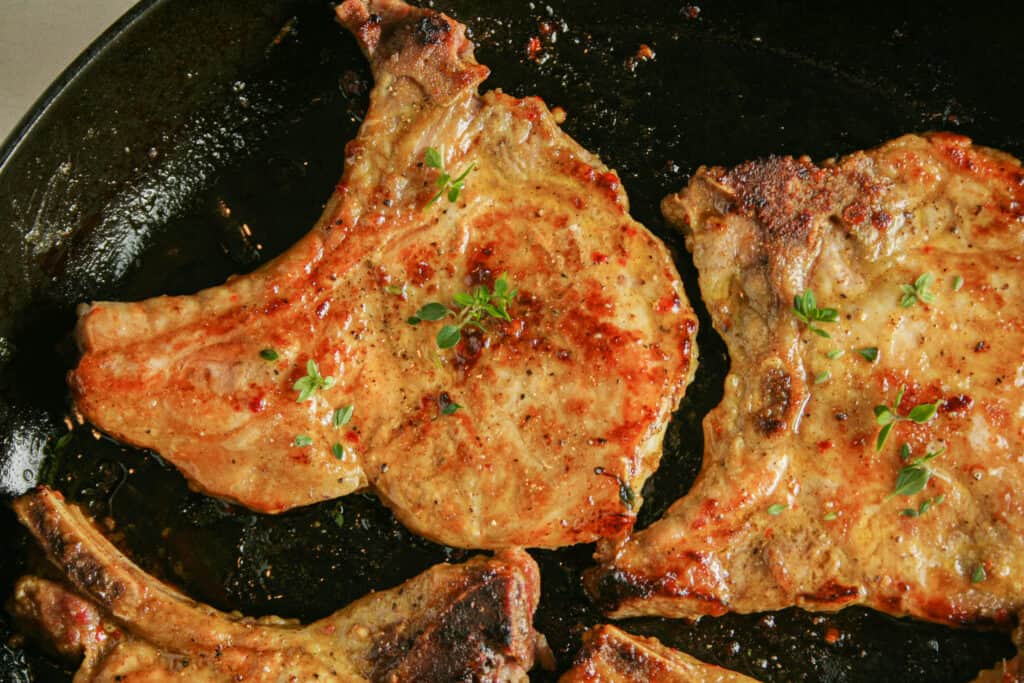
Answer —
469 621
563 405
918 247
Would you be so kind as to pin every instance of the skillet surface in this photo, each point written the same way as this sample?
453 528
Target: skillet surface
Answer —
112 188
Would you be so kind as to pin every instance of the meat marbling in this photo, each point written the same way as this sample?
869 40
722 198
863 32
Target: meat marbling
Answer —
796 504
611 655
563 407
471 621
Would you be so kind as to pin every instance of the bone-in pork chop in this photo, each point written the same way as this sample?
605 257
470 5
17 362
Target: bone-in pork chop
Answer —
537 428
881 464
471 621
610 655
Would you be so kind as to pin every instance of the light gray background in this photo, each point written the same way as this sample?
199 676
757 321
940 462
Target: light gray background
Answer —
38 39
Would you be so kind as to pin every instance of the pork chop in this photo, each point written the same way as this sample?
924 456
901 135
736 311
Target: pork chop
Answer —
471 621
610 655
868 446
535 425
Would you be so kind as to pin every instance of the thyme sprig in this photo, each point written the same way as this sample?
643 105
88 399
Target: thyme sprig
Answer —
918 291
312 382
805 308
450 187
470 309
914 477
888 417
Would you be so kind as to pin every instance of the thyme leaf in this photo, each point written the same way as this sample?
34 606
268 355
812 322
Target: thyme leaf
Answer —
870 353
914 477
448 187
312 382
918 291
470 309
343 415
805 308
887 416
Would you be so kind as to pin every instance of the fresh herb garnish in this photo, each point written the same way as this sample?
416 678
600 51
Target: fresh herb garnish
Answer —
979 574
888 417
822 377
834 354
470 310
776 509
342 415
805 308
339 451
870 353
914 477
312 382
958 282
339 516
268 354
926 504
831 516
450 408
434 159
302 441
905 452
917 292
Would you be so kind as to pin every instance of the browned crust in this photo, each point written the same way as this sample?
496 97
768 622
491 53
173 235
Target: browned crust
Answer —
421 44
762 233
484 624
471 621
610 655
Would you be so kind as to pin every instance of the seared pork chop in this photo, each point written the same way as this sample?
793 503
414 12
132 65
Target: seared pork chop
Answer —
471 621
538 428
881 464
610 655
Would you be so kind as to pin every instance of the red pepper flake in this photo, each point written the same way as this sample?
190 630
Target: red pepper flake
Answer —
609 180
824 445
669 303
533 48
258 404
832 635
598 257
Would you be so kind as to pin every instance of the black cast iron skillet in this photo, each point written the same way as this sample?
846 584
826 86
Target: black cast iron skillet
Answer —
111 188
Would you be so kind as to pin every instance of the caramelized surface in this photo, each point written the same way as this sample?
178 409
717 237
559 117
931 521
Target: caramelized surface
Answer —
564 407
788 440
453 622
611 655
